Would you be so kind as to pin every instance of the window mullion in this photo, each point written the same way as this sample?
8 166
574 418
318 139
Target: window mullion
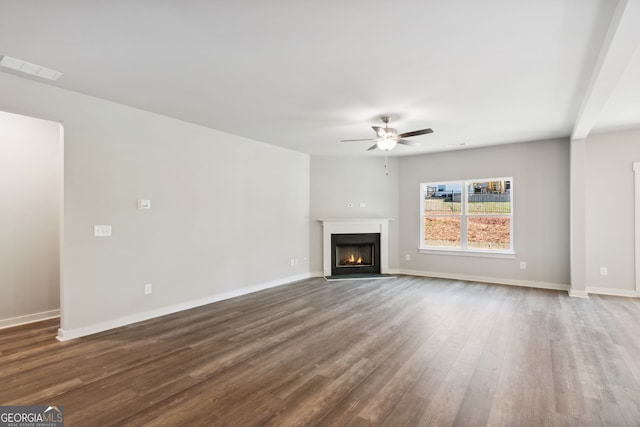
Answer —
463 216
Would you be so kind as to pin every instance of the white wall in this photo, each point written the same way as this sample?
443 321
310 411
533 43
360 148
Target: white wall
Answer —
610 211
338 181
30 185
541 212
227 213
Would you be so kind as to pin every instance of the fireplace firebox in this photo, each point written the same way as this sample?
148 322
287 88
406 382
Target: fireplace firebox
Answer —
357 253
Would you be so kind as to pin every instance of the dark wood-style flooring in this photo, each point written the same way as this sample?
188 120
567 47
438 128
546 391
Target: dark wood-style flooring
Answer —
406 351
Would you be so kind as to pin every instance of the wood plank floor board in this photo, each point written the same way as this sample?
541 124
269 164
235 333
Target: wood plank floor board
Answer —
94 364
405 351
468 347
191 409
265 405
593 374
567 381
377 410
627 400
407 363
479 397
447 400
576 359
516 390
407 412
374 375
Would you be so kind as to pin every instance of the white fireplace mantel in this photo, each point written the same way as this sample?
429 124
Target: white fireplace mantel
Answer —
355 226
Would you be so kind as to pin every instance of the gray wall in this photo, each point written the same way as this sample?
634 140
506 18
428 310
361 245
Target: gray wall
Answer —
227 216
541 211
30 199
610 210
338 181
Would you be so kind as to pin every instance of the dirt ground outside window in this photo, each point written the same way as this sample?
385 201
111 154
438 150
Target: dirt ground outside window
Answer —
483 232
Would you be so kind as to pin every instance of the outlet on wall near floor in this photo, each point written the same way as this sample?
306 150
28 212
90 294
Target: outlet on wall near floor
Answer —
407 257
523 265
604 271
147 288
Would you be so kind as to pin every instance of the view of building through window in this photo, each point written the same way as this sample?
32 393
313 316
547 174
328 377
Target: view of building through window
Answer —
468 215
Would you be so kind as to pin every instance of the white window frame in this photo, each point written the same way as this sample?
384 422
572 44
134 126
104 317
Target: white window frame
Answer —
463 250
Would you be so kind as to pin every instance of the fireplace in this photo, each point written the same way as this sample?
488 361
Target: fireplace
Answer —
355 253
365 238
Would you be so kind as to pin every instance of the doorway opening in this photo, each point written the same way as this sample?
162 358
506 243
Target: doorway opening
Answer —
31 195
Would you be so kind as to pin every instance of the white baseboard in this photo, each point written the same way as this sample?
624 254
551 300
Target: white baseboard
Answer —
525 283
29 318
69 334
484 279
614 292
578 294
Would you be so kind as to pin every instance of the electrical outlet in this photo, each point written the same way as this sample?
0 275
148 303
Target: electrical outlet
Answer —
523 265
604 271
407 257
147 288
293 262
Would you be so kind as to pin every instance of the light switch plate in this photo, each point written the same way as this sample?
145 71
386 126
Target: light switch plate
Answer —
102 230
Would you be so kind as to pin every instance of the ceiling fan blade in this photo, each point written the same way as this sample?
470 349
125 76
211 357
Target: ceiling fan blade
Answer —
407 142
350 140
373 147
415 133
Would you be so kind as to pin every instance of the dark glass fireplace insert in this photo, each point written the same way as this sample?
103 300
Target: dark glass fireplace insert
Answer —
355 254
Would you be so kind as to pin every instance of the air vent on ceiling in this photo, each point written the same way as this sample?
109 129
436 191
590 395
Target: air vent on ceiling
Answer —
26 67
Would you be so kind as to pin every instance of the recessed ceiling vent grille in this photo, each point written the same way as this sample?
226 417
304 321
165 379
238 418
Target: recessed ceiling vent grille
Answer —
27 67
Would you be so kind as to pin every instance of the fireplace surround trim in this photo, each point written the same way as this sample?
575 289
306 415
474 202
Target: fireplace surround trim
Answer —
355 226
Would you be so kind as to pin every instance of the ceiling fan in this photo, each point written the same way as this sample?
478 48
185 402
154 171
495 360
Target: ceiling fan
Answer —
387 137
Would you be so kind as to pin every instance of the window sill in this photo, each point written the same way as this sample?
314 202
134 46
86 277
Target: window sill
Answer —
475 253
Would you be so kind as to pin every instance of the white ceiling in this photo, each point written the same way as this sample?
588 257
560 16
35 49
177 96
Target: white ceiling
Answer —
305 74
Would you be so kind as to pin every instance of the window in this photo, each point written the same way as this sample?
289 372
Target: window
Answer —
473 215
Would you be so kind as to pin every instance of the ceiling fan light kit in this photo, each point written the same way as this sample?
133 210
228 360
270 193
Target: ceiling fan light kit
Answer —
388 138
386 144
